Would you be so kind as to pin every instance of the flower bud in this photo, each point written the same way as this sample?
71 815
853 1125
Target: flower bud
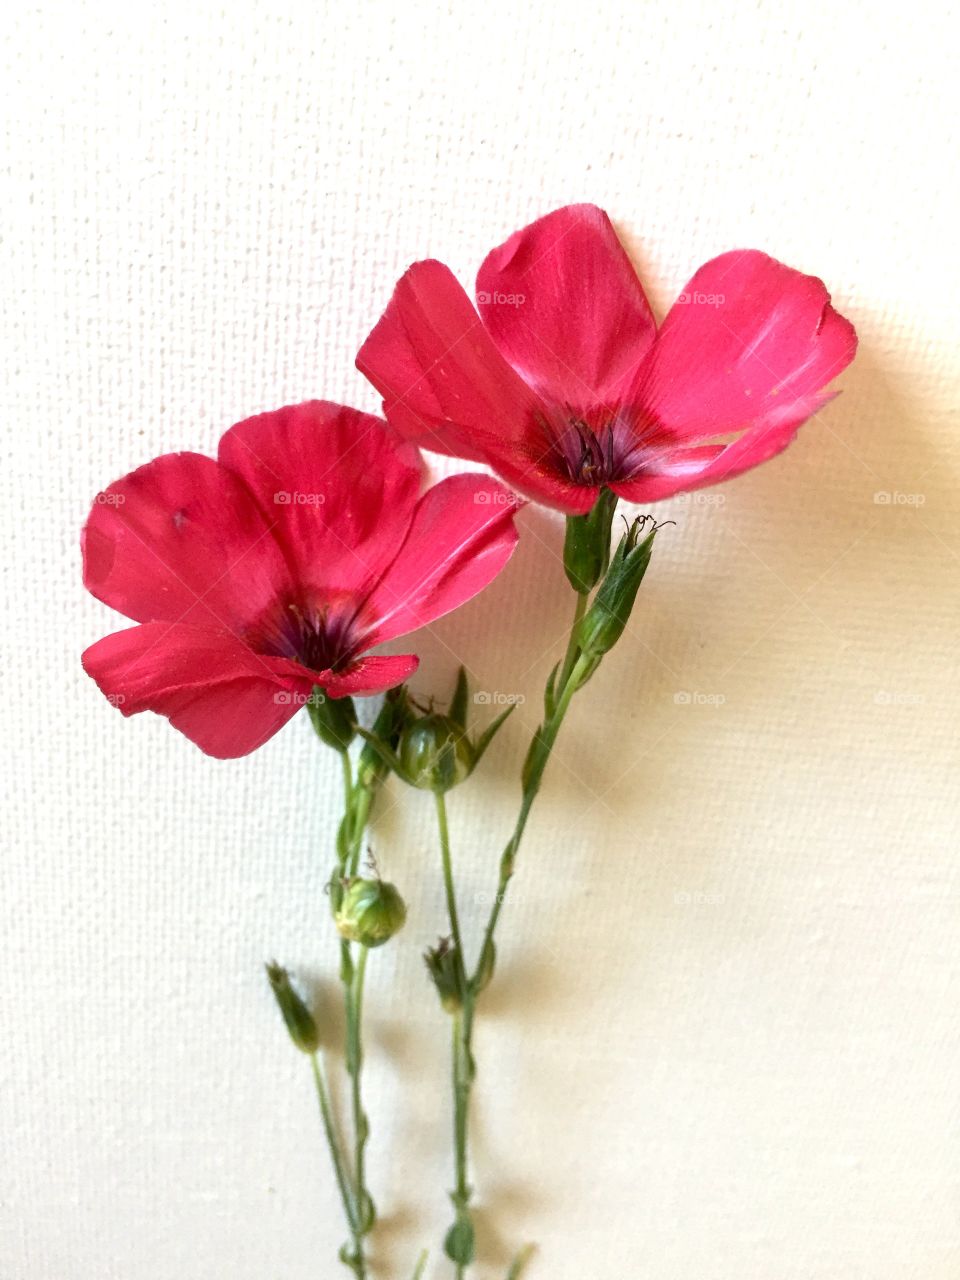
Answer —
371 766
586 546
298 1018
334 719
370 912
441 962
435 753
605 620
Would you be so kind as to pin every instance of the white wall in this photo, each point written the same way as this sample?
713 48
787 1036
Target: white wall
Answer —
725 1039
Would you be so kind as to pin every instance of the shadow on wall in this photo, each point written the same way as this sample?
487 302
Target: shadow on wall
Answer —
823 538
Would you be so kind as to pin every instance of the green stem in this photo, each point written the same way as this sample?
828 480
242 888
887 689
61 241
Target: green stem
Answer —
462 1082
572 671
333 1141
570 657
361 1127
540 750
461 1058
441 805
357 803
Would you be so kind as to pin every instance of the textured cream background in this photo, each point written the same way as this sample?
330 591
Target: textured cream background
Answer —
725 1039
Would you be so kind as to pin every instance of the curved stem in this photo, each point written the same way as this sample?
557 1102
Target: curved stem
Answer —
333 1141
573 670
358 800
540 749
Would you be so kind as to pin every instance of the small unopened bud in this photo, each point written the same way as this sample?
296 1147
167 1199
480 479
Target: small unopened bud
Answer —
435 753
334 719
370 912
371 766
605 620
586 547
441 962
298 1018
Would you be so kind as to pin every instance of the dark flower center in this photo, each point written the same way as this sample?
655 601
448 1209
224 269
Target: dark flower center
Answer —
320 635
596 448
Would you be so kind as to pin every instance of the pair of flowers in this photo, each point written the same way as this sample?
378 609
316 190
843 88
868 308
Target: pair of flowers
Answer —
275 569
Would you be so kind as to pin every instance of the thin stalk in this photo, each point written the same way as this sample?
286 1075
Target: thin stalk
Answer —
570 657
573 668
540 750
361 1127
357 803
333 1141
448 886
462 1081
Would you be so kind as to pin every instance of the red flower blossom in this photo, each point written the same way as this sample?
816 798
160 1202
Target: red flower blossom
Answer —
564 385
277 567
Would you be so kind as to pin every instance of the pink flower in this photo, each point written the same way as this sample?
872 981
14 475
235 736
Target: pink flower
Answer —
563 384
277 567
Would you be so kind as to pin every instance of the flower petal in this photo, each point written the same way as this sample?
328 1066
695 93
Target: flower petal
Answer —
338 487
461 537
695 467
180 539
444 383
563 303
209 685
372 674
748 334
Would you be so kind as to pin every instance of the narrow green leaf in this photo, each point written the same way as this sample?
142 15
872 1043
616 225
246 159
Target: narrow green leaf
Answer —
458 706
488 735
520 1262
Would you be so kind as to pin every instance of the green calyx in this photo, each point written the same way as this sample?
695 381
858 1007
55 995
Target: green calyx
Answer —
604 622
441 962
429 750
334 719
371 911
586 547
435 753
299 1021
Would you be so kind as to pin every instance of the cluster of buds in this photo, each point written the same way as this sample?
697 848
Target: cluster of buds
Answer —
432 751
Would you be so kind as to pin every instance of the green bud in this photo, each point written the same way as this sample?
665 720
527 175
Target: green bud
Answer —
370 912
605 620
371 767
333 719
459 1243
298 1018
441 962
586 547
435 753
488 962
